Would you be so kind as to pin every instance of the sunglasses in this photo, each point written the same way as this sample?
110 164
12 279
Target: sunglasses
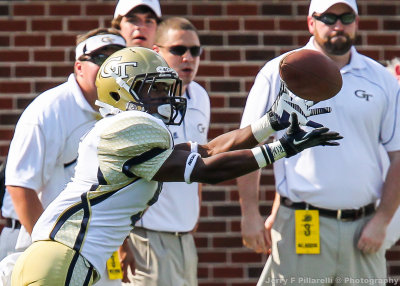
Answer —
97 59
179 50
330 19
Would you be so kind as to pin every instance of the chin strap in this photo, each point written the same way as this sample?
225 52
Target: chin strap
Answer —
107 109
165 110
163 113
120 81
123 84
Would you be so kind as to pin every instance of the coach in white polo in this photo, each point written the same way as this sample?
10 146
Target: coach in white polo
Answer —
44 148
342 237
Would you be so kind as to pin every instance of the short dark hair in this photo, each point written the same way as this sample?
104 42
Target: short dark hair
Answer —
175 23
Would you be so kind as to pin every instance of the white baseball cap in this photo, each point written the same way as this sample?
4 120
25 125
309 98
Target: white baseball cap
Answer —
320 6
124 6
97 42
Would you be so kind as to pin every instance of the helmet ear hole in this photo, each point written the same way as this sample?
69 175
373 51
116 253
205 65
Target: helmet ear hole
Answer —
115 95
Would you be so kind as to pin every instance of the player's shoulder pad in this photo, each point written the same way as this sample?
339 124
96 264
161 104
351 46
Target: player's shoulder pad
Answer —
136 126
137 119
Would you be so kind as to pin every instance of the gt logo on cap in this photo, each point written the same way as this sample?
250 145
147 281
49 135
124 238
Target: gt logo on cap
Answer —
107 39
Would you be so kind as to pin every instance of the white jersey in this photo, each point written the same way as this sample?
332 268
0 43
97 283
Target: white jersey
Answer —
177 208
111 187
365 112
44 148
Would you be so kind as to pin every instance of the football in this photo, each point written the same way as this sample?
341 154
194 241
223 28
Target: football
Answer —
310 75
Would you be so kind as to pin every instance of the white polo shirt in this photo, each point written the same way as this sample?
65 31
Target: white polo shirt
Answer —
177 208
45 144
365 112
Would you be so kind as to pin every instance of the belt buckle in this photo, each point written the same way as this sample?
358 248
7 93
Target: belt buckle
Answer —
179 234
358 214
339 215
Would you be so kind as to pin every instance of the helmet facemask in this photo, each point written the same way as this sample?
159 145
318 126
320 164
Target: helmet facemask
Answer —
155 93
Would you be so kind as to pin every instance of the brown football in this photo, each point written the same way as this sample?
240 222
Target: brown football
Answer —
310 75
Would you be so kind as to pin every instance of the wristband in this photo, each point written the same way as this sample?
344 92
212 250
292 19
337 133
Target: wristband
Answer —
268 153
193 147
262 128
259 156
190 163
278 152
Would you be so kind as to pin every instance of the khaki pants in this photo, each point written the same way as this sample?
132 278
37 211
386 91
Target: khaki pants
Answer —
49 263
339 263
163 259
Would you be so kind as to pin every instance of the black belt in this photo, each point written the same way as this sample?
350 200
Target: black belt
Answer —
343 215
12 223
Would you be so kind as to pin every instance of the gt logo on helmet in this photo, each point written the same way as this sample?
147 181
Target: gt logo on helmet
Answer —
114 66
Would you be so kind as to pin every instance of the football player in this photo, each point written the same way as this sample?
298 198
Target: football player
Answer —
125 158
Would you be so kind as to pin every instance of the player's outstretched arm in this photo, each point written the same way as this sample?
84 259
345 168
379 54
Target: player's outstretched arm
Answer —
191 167
277 118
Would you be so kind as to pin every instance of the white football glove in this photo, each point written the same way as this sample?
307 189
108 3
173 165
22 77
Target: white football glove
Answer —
287 103
278 117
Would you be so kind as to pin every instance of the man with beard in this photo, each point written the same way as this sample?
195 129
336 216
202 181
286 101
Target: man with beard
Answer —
324 224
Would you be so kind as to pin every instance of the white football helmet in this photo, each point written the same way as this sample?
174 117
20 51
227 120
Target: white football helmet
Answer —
138 78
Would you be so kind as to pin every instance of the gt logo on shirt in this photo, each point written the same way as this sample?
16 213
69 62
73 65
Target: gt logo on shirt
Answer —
201 128
362 94
112 66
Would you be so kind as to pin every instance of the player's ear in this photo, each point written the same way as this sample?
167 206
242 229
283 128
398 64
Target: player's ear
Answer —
78 68
311 24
